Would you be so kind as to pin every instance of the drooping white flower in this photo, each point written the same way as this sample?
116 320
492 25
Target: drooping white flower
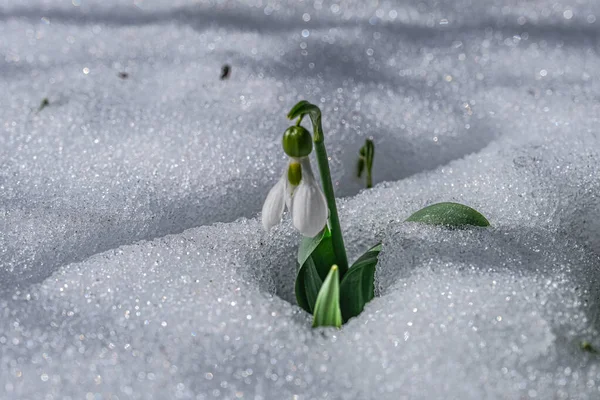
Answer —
272 210
305 201
309 206
279 196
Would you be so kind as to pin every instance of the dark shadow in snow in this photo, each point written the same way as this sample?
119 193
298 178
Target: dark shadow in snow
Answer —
254 19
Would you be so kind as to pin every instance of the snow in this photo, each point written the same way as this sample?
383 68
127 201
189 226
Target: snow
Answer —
132 261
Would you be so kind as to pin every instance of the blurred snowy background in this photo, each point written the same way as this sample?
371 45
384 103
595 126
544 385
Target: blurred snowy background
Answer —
132 265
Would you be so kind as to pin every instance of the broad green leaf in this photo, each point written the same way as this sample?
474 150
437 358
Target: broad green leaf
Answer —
308 283
327 307
308 245
315 257
450 214
324 257
357 287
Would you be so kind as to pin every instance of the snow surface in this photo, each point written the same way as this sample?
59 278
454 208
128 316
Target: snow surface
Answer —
132 264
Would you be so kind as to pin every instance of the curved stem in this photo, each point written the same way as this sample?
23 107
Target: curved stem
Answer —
323 162
336 231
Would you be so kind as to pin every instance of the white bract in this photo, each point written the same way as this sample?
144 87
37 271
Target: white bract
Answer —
306 202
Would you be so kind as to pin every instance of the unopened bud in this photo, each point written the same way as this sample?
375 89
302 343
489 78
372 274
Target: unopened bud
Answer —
297 142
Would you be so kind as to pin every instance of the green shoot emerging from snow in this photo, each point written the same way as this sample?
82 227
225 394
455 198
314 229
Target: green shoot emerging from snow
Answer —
327 306
365 162
325 286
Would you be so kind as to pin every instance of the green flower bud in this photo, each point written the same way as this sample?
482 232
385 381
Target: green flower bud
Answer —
294 173
297 142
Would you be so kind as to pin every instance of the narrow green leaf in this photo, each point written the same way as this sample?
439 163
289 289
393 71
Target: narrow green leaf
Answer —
308 283
369 156
450 214
315 256
327 308
322 255
312 283
360 166
300 290
308 245
369 153
358 287
366 154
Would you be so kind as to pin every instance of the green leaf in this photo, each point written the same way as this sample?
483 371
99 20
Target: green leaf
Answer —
327 307
358 287
360 166
308 245
299 288
312 283
366 154
308 284
321 252
450 214
315 257
369 153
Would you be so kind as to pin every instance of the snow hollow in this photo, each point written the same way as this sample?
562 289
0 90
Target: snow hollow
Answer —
132 261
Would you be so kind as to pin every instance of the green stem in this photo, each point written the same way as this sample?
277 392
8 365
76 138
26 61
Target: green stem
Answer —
323 163
300 109
369 154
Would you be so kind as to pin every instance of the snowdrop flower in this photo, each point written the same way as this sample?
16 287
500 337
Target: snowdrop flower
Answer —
309 207
278 197
297 188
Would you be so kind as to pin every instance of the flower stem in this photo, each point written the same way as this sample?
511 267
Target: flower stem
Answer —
336 231
323 162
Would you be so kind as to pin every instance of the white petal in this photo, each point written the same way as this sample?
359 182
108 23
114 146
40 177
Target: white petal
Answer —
289 188
274 203
307 173
289 192
309 208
